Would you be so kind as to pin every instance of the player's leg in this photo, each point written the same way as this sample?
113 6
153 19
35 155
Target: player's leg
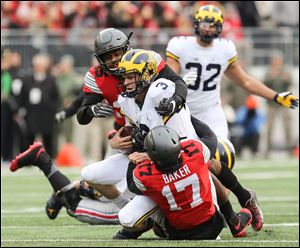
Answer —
64 192
222 169
215 118
137 217
247 198
97 212
237 222
104 175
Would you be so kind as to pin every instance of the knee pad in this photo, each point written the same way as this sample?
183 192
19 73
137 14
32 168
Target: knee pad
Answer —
126 219
96 213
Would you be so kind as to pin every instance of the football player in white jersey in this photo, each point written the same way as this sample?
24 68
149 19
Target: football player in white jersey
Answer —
202 60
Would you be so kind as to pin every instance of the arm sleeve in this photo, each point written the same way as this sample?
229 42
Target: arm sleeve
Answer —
206 135
130 182
174 48
181 87
84 113
231 52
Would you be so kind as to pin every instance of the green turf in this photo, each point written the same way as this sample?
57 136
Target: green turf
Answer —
24 193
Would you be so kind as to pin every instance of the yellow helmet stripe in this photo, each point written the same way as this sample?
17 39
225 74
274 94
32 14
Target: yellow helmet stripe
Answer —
210 12
217 155
130 66
172 56
146 215
136 55
227 153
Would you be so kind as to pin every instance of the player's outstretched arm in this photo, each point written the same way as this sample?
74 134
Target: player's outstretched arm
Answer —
254 86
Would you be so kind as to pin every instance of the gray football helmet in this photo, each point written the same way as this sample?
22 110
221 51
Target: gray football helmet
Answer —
108 40
162 144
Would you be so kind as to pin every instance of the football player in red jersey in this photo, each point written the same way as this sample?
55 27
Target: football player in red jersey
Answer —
178 181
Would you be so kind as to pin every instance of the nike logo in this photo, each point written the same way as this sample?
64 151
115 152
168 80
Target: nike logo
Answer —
238 225
50 210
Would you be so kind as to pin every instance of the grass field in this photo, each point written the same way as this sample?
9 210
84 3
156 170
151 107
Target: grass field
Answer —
24 223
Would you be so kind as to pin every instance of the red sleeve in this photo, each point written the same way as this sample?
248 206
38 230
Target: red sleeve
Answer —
91 82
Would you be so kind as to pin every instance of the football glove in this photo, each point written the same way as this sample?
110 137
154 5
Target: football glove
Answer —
138 136
60 116
190 77
102 109
88 191
286 99
169 106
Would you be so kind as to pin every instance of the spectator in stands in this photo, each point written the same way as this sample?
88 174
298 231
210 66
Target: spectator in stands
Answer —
6 109
232 27
121 14
19 128
278 78
286 13
248 13
40 98
250 119
69 86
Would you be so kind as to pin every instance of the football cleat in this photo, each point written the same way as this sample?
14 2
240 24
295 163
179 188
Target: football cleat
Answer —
238 229
53 207
29 157
159 231
127 234
253 206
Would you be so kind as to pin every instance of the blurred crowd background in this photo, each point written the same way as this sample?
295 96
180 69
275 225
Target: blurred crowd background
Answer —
51 42
154 15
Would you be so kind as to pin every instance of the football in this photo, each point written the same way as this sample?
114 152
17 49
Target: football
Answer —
127 130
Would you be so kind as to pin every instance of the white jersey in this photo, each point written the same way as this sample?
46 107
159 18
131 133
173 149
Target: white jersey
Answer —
209 63
148 116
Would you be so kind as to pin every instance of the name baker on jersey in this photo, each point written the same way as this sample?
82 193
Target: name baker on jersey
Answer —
180 173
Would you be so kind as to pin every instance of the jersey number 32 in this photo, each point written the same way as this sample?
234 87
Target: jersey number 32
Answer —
206 83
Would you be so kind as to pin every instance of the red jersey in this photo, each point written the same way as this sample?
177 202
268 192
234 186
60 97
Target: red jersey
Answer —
185 195
97 81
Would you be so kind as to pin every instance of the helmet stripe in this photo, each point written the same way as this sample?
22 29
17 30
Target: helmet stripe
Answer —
228 153
217 155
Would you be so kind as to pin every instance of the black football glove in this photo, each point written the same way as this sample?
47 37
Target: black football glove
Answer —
138 136
169 106
102 109
88 191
